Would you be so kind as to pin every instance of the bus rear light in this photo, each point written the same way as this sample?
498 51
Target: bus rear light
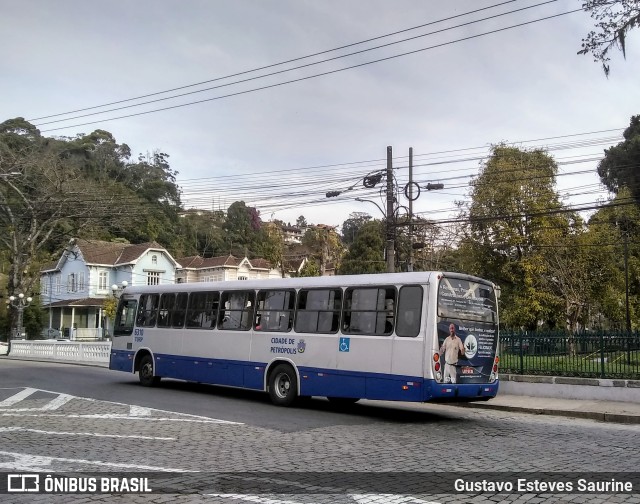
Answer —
495 368
437 366
496 360
404 387
436 357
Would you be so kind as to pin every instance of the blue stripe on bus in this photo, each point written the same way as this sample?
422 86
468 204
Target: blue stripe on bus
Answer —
313 381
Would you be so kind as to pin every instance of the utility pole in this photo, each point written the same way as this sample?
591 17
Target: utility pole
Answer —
390 246
410 263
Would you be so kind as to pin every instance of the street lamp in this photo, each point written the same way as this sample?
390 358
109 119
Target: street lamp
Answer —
362 200
20 302
117 291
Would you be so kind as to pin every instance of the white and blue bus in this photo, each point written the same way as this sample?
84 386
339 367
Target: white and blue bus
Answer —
342 337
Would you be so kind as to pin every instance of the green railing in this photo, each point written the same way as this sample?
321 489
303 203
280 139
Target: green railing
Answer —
607 354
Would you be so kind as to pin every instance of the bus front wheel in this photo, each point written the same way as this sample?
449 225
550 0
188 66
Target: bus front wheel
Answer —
145 373
283 385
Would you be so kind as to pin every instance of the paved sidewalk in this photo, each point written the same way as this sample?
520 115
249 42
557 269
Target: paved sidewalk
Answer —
605 411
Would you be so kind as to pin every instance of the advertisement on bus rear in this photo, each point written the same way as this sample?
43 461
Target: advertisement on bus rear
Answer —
467 330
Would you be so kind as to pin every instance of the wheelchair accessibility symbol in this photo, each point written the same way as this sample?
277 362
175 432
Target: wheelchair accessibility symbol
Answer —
344 344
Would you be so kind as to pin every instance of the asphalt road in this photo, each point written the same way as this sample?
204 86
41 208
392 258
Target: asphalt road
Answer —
89 420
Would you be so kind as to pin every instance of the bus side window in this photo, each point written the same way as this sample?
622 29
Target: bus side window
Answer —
180 310
203 310
369 310
167 303
275 310
409 311
238 312
148 310
318 310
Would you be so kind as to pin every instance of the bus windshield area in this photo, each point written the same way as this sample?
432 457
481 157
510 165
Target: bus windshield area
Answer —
125 317
466 300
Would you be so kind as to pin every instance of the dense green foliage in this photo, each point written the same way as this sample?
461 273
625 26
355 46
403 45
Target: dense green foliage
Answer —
620 167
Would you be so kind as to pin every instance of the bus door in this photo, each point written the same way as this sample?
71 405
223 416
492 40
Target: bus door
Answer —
121 358
365 346
410 326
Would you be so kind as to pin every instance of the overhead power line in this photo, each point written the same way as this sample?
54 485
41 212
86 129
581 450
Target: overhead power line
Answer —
277 64
278 84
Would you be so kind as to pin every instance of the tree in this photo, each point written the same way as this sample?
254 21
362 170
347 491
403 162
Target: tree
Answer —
200 233
620 166
310 269
301 222
352 225
270 245
324 244
611 230
55 189
614 20
513 215
44 196
366 254
241 225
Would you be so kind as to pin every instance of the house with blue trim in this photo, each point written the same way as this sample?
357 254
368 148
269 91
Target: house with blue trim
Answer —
73 290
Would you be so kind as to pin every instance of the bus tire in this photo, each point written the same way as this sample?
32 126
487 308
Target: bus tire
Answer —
145 373
283 385
343 401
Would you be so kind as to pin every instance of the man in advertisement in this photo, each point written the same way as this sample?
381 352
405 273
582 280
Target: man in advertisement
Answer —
451 347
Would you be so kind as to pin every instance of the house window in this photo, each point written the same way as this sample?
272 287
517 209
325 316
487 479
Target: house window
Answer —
72 285
58 284
81 281
243 277
45 285
154 259
103 281
153 278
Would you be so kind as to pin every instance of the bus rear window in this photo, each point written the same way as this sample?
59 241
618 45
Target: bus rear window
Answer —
466 300
125 317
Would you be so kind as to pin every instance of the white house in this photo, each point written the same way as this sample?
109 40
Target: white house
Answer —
73 289
222 268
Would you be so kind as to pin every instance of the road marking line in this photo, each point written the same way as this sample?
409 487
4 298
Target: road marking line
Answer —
139 411
114 416
35 460
360 499
388 499
61 400
135 412
91 434
255 498
10 401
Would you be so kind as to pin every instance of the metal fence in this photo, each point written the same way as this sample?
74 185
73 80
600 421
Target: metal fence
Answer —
605 354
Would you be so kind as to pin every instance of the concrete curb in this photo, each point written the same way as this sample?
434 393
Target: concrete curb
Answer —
36 359
588 415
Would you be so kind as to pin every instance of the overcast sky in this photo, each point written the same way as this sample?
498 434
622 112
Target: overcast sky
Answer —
282 148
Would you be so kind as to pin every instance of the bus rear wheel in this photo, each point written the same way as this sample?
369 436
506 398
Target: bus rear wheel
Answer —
145 373
283 385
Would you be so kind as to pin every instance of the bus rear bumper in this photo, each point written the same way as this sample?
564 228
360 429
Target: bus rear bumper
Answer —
451 392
